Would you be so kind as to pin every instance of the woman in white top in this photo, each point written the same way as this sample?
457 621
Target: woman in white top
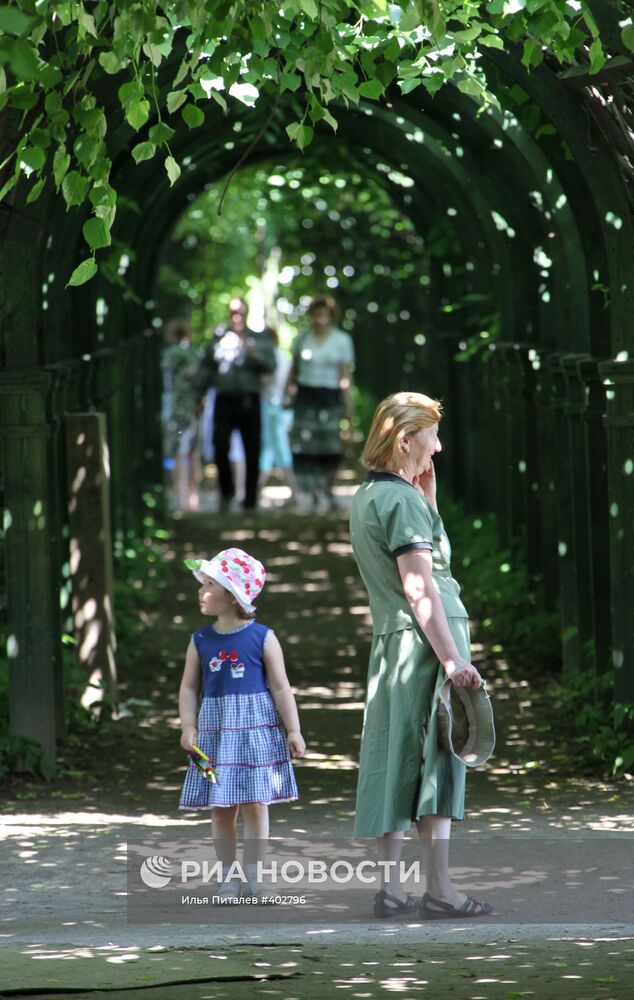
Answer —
320 381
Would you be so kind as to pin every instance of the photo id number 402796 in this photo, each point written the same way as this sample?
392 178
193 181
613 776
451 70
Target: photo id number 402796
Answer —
281 900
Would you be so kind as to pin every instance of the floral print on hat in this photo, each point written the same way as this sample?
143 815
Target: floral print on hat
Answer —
238 572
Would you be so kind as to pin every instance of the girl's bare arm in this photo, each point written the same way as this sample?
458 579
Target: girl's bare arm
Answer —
188 697
282 693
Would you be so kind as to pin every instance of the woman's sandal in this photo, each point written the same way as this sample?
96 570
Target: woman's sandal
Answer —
436 909
386 905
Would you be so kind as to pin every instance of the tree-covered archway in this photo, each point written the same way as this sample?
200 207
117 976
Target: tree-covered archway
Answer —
497 115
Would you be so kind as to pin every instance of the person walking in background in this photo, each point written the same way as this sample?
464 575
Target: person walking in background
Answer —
420 637
275 453
319 384
180 363
247 704
234 363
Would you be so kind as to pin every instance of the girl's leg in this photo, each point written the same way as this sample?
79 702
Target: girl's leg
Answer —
225 835
255 818
434 833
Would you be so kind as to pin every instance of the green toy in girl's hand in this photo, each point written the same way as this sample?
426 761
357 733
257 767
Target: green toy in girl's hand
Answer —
203 763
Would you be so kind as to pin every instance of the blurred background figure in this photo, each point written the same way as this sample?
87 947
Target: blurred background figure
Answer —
319 384
275 450
236 448
233 363
180 363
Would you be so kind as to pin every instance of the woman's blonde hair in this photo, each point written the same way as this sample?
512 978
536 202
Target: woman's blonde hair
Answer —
400 414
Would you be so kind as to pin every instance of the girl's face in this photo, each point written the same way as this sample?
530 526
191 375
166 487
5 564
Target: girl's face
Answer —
213 598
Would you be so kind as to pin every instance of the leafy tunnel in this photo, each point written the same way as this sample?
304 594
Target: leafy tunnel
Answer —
522 207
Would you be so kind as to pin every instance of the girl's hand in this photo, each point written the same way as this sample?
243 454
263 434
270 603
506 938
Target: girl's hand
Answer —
188 737
296 744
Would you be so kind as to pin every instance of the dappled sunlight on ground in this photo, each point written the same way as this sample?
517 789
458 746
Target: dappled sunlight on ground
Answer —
539 842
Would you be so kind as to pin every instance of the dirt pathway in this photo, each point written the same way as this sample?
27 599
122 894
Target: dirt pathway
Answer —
552 854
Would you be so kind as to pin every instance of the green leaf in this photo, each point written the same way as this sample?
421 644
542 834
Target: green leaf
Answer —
40 137
61 163
24 60
258 29
597 57
53 103
24 99
8 184
14 21
102 194
86 148
371 88
36 191
467 34
301 134
33 157
143 151
83 272
75 188
175 99
192 116
161 133
492 41
290 81
310 7
110 62
627 36
137 113
96 233
87 22
129 92
173 170
193 564
406 86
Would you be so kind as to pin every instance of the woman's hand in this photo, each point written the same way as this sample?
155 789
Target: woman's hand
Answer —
426 483
189 736
296 743
463 674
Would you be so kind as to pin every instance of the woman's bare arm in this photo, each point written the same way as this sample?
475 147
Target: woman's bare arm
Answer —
415 568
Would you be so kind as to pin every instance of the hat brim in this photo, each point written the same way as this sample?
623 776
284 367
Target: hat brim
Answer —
466 727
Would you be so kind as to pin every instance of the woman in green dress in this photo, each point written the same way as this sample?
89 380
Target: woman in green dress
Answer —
420 636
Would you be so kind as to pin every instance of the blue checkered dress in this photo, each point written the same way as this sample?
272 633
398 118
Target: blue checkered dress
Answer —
238 726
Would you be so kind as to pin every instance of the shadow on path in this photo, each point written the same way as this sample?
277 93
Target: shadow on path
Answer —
549 853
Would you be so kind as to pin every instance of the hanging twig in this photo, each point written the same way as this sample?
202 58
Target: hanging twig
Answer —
244 156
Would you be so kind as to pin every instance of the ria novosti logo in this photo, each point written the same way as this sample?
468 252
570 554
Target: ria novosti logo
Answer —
156 872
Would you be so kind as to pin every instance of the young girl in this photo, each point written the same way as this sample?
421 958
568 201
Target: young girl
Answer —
245 692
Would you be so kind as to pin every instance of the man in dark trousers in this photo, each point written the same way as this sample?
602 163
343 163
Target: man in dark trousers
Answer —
233 363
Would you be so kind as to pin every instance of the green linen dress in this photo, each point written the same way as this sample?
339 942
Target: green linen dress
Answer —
403 775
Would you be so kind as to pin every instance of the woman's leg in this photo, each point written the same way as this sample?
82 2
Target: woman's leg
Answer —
388 849
434 833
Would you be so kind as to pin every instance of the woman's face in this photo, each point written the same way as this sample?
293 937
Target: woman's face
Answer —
321 318
423 445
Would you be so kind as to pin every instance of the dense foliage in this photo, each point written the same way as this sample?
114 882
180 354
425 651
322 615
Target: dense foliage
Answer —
168 61
291 230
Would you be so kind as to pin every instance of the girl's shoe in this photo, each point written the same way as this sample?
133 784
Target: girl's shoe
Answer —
256 890
227 892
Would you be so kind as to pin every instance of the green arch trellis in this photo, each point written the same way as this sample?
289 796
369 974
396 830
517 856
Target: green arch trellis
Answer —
543 391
